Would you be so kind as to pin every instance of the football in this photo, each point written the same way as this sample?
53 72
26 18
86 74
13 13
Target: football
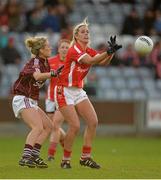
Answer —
143 45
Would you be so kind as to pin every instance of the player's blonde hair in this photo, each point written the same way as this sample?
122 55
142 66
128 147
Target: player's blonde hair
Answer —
35 44
76 29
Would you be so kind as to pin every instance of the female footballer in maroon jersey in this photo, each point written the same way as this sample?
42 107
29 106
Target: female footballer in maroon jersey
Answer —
26 95
72 99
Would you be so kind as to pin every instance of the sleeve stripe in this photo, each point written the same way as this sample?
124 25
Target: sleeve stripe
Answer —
97 54
75 47
81 57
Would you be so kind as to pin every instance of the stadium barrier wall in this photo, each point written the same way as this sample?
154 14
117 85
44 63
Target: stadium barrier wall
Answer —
114 117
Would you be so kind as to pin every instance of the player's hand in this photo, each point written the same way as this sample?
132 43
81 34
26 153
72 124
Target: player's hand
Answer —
57 72
113 46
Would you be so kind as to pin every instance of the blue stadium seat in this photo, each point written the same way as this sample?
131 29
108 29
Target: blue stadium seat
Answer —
125 94
139 94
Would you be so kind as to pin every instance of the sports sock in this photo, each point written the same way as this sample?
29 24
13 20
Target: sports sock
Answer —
27 151
86 152
52 149
67 155
36 150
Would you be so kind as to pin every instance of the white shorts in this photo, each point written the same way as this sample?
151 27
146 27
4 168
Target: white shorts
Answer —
22 102
68 96
50 106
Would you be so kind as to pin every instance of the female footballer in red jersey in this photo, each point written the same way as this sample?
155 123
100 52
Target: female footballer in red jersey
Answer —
72 100
26 95
58 134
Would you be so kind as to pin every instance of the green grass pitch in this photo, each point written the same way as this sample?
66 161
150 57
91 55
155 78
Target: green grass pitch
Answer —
120 157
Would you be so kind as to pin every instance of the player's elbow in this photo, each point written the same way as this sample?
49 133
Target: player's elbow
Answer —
92 63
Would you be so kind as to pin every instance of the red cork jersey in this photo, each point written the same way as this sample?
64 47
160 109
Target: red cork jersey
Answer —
74 71
54 63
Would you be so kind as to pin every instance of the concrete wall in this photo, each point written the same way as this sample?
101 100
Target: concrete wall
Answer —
122 113
114 117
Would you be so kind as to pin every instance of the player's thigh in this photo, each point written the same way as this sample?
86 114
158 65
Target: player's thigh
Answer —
70 115
31 117
45 119
87 112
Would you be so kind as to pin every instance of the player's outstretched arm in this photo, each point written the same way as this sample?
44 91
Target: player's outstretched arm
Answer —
105 57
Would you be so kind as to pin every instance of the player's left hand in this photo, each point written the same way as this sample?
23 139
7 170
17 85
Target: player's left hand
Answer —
113 46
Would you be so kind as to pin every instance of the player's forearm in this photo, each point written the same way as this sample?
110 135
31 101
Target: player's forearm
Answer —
98 58
41 76
106 60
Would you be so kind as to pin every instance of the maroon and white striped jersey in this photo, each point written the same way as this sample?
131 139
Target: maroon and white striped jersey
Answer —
26 85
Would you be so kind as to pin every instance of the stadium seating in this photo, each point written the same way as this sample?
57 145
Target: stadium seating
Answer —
134 83
139 94
121 83
127 83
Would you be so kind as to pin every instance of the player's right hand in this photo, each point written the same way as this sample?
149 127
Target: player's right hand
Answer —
59 70
56 72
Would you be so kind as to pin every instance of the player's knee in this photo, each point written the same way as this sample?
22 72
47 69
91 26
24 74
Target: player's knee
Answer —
75 128
93 123
38 130
56 128
48 130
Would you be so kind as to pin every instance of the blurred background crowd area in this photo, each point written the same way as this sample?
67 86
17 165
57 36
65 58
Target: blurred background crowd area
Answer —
128 77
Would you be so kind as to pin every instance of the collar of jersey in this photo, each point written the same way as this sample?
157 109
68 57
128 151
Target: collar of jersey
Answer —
41 59
79 47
